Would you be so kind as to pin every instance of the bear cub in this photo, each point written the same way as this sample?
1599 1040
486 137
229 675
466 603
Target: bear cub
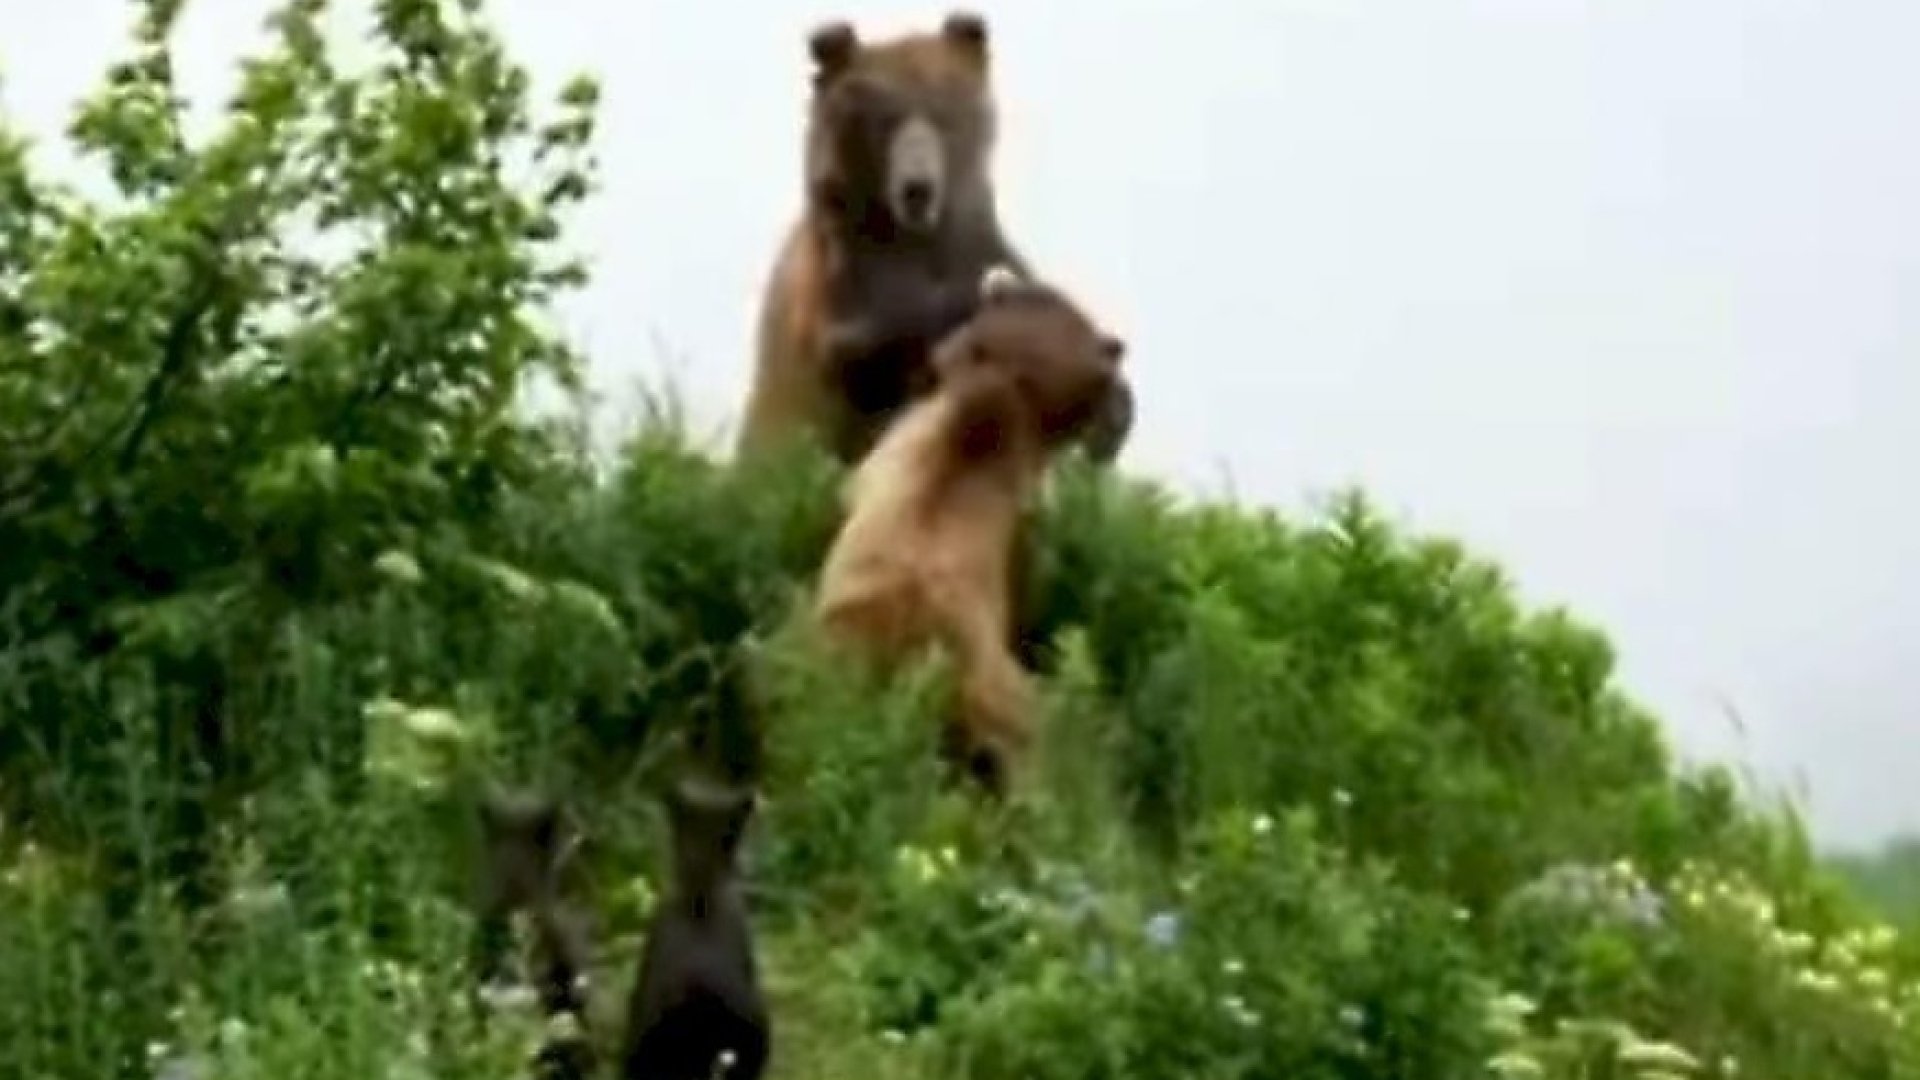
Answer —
697 1009
526 849
923 556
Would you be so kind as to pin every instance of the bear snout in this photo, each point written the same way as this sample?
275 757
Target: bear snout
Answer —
916 198
916 174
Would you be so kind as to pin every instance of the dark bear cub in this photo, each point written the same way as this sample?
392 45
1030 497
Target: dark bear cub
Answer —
697 1010
526 844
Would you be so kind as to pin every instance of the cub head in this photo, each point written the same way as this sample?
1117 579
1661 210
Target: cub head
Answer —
1064 366
707 818
901 128
525 840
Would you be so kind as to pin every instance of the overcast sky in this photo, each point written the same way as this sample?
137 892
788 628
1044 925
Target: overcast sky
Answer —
1625 293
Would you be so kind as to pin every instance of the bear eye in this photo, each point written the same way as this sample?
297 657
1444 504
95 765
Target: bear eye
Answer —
864 95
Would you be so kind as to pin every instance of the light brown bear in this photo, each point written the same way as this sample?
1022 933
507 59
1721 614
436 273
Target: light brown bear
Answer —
898 227
932 512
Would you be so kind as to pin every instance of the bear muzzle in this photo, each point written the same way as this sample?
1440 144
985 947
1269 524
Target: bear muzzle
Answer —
916 175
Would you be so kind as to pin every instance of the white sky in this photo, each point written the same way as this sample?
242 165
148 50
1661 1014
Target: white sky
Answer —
1624 293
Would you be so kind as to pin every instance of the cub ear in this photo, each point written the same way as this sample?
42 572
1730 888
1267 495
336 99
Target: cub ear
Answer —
832 47
741 804
998 283
968 31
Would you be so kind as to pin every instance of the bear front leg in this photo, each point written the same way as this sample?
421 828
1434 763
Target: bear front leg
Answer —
993 725
874 379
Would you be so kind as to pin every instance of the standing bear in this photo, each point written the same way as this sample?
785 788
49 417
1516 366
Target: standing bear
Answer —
898 227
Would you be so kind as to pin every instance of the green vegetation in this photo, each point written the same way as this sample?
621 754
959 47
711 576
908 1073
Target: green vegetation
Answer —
287 569
1889 878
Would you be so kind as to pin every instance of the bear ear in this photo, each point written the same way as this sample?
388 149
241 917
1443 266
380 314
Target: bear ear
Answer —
832 46
999 282
968 30
741 804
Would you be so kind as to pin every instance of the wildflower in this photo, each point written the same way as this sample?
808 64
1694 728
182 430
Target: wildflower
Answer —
1262 825
510 580
588 604
1644 907
433 724
507 996
399 566
924 867
1080 900
180 1067
1099 960
259 899
1163 929
1657 1055
1515 1065
1507 1014
563 1025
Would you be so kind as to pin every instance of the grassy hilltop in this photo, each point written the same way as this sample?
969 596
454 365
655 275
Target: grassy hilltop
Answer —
287 571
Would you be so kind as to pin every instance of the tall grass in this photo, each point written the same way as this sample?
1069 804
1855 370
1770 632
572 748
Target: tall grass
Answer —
1313 797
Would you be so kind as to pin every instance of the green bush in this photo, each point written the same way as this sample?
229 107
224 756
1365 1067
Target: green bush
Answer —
290 568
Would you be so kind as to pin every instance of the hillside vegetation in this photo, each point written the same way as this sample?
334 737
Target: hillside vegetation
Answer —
1889 877
288 571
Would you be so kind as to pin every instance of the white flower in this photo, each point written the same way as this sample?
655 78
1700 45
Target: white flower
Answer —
1660 1055
1163 929
433 724
399 566
1515 1065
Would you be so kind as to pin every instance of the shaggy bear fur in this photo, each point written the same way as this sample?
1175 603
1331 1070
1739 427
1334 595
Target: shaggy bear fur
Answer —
923 557
899 224
697 1001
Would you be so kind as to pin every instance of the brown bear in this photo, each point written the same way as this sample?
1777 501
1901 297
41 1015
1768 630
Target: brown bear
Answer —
899 224
922 558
